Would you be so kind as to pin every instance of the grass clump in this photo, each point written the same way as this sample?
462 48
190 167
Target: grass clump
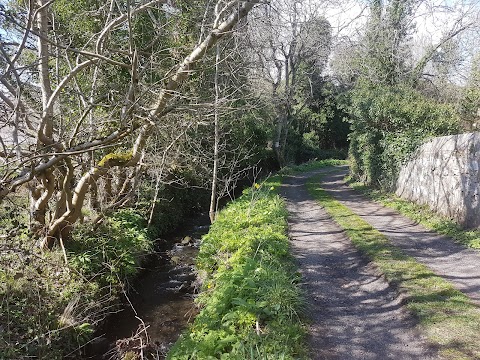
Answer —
251 302
448 318
423 215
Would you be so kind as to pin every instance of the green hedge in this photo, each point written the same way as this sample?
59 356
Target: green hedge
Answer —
388 124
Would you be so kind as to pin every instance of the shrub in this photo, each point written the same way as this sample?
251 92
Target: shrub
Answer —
47 308
113 251
101 260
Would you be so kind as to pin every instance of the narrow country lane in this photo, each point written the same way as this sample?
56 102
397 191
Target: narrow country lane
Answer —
452 261
354 313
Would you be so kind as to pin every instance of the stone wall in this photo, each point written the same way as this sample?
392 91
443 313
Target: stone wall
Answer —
444 174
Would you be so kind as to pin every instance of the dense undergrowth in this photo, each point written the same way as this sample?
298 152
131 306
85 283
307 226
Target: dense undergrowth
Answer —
251 302
448 317
50 302
423 215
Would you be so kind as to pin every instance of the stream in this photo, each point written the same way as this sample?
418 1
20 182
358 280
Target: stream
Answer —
160 304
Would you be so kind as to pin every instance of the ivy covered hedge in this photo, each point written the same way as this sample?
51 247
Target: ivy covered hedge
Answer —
251 302
388 124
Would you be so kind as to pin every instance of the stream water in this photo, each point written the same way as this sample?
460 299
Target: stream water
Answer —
159 305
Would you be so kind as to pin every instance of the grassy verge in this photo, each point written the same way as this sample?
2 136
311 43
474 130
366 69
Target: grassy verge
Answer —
251 302
423 215
311 165
447 317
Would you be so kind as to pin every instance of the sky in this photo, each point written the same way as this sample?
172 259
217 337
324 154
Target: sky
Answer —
433 20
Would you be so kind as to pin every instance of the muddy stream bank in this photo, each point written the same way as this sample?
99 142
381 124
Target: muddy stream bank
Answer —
159 305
